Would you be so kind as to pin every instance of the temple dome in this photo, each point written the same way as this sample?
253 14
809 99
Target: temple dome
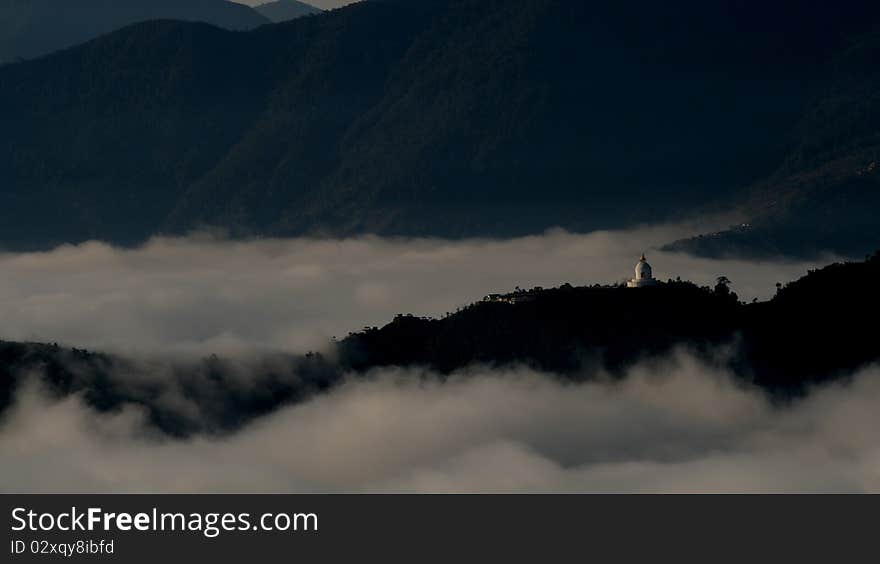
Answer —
643 269
644 274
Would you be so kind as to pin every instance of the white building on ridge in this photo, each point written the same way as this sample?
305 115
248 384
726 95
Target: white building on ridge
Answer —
644 275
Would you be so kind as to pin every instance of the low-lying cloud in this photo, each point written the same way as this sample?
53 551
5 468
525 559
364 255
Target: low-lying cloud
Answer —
673 425
203 295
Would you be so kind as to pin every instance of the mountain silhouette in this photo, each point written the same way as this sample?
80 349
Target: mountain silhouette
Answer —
31 28
804 335
429 118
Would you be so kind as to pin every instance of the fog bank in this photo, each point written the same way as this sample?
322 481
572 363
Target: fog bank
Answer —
672 426
202 295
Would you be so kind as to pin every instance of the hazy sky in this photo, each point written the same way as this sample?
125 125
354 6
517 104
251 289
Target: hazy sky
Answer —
325 4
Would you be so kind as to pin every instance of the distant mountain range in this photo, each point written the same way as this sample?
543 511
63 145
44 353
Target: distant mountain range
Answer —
31 28
453 118
285 10
805 335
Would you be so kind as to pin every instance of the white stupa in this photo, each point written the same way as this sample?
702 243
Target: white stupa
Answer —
644 275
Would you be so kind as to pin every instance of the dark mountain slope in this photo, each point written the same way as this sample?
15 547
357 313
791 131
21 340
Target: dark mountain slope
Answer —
566 330
606 116
278 165
826 195
285 10
125 124
130 121
815 329
440 117
611 113
31 28
211 386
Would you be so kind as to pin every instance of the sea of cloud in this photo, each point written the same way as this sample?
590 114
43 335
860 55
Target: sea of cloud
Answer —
676 425
202 295
673 425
